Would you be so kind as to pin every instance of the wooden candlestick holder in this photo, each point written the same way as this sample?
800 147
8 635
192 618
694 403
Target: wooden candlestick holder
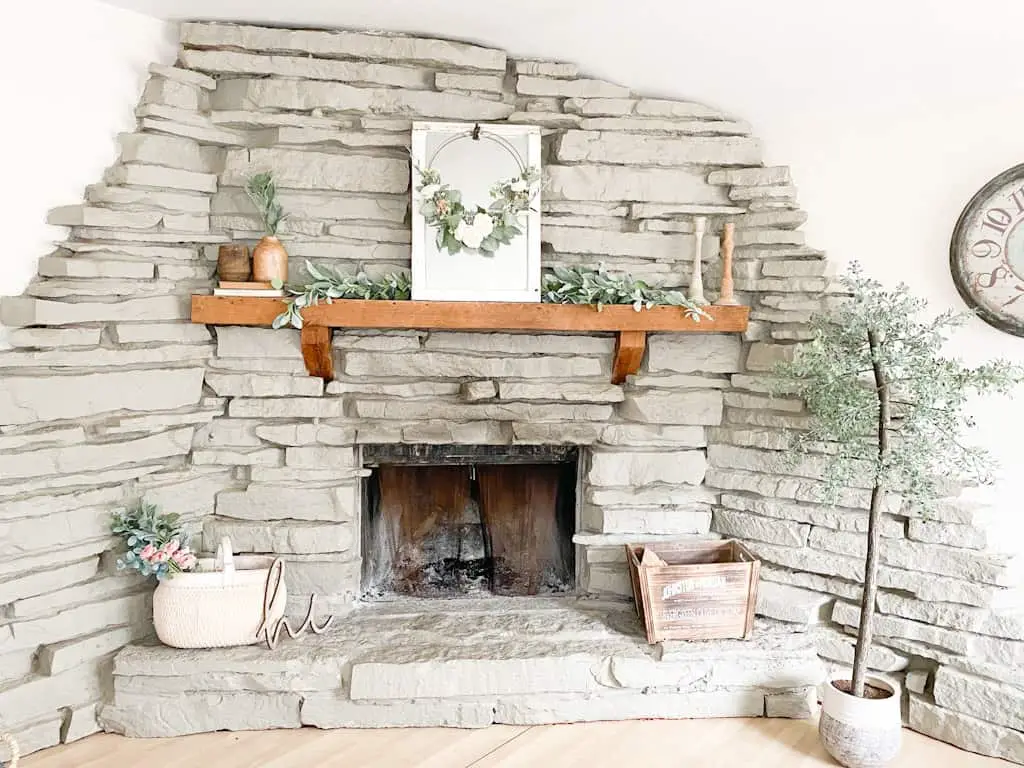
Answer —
726 297
696 292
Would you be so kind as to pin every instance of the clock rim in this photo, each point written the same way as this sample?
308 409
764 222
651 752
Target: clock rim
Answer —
956 247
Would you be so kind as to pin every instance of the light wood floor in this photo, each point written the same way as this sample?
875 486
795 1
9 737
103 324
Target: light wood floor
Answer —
651 744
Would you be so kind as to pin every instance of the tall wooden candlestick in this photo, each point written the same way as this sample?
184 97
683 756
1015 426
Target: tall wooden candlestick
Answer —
726 297
696 292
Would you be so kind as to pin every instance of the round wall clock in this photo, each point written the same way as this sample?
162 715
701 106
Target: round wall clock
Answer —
986 255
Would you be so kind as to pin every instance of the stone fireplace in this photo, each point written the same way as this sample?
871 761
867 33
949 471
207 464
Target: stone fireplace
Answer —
484 483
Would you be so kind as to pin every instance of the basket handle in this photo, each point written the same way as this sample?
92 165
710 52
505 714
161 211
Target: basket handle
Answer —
225 559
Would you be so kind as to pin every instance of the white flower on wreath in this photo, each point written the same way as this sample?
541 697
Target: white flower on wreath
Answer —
429 191
519 186
471 235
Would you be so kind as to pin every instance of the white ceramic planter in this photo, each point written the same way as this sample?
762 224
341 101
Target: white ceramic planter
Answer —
861 733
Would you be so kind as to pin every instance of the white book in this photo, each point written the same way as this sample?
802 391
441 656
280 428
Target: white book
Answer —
270 292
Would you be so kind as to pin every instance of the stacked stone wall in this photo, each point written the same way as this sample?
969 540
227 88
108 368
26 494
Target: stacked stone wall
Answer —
109 394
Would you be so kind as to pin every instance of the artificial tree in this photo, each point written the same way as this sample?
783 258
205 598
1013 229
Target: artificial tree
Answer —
887 408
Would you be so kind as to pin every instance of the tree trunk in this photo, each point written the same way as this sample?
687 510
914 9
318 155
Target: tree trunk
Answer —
867 605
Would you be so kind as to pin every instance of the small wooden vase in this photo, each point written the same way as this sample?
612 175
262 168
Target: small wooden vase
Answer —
233 263
269 261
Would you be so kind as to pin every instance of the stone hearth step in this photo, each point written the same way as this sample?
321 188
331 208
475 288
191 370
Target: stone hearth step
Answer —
464 663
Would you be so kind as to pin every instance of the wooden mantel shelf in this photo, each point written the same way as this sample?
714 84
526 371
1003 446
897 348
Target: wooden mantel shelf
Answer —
630 326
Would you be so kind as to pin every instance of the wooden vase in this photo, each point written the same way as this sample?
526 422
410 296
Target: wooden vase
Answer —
269 261
233 263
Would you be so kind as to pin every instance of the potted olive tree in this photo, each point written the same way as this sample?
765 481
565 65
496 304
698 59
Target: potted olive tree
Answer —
887 412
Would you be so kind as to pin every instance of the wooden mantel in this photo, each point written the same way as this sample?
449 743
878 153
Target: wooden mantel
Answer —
630 326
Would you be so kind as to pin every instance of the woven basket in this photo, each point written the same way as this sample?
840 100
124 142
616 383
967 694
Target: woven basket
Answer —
224 602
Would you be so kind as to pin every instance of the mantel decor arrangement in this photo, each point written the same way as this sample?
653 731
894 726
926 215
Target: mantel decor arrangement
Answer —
576 299
474 266
890 408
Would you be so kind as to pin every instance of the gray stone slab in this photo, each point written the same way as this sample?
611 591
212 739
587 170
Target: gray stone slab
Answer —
694 407
344 44
634 469
604 183
21 311
334 711
145 716
310 170
556 708
238 62
798 704
970 733
281 537
267 502
472 677
793 604
27 399
632 149
989 700
568 412
519 343
452 365
707 353
89 458
283 94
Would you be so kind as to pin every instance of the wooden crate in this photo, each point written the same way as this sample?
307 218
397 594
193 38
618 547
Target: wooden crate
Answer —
707 589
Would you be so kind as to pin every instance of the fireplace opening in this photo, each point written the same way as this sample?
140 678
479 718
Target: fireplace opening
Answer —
452 520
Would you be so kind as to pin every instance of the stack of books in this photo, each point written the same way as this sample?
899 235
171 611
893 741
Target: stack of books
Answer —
229 288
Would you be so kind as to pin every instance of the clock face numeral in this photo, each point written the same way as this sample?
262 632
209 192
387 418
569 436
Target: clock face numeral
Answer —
998 219
987 252
989 279
986 249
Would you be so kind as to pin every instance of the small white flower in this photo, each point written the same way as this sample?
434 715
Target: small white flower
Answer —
483 224
471 234
430 190
470 237
519 186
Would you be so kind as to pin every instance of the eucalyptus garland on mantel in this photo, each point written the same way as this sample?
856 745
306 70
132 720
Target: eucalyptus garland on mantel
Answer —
329 284
582 285
563 285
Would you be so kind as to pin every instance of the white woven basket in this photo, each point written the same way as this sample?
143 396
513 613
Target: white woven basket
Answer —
221 603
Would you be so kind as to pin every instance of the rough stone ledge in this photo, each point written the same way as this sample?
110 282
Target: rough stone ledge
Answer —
461 663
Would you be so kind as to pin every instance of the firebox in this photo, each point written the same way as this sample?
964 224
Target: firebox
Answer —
451 520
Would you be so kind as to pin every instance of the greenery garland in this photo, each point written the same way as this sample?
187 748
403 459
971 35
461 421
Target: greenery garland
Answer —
583 285
329 284
475 228
564 285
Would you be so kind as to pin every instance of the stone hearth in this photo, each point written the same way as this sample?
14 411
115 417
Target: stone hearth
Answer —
108 394
465 663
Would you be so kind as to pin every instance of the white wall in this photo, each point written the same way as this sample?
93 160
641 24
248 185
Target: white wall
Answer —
891 113
73 71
